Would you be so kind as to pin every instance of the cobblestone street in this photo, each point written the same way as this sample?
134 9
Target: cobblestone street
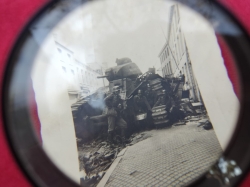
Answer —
169 157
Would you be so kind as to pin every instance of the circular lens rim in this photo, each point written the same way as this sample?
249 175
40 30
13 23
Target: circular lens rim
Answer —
238 149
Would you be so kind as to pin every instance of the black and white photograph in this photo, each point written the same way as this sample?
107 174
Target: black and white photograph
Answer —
132 93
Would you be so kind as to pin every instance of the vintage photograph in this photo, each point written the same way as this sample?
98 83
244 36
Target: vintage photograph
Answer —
118 96
162 105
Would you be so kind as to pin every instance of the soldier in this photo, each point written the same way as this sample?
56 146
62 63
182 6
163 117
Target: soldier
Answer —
164 99
174 113
141 104
182 77
115 106
150 96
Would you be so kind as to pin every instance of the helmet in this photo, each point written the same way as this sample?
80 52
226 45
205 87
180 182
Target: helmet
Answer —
115 88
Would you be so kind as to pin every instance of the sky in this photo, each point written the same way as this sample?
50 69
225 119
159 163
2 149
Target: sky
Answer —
101 31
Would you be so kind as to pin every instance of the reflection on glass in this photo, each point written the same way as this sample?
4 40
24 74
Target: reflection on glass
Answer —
132 93
224 170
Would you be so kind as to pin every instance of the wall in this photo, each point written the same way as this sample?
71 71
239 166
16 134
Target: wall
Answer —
54 112
210 75
208 66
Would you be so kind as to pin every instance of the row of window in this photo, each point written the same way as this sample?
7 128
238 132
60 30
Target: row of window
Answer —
176 38
164 55
177 44
60 51
167 69
84 77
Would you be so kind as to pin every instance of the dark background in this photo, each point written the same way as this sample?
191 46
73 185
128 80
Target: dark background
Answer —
14 15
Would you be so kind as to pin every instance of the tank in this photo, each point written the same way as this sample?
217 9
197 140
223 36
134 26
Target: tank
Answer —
89 119
90 112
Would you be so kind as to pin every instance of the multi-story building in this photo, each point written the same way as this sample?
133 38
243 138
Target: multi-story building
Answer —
174 56
80 78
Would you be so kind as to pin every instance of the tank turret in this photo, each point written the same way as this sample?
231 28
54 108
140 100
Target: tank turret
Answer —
125 69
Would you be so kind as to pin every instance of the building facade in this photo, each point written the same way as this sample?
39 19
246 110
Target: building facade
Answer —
81 79
174 56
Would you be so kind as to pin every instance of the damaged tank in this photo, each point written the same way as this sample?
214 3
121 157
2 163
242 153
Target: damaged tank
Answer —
89 113
95 152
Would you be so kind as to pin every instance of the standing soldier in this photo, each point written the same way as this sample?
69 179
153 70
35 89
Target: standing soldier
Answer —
115 106
164 99
141 104
150 96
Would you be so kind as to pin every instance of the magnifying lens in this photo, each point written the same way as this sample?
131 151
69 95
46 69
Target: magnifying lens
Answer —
130 93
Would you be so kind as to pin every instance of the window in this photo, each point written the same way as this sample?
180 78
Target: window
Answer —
187 73
181 41
59 50
170 68
82 76
176 17
176 51
178 47
64 69
77 72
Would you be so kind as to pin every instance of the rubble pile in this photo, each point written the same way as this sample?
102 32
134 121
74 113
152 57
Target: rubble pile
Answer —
200 121
96 157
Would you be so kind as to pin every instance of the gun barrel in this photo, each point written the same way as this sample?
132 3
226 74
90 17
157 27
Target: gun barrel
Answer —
100 77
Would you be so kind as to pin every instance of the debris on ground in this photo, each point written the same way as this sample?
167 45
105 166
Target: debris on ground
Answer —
207 125
201 120
97 156
179 123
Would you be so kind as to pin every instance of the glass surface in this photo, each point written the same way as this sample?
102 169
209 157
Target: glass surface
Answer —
133 93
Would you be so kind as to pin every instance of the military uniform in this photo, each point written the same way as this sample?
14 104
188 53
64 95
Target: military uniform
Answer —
164 99
114 103
150 96
141 104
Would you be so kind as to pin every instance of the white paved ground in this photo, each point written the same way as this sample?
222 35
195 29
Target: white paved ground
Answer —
170 157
